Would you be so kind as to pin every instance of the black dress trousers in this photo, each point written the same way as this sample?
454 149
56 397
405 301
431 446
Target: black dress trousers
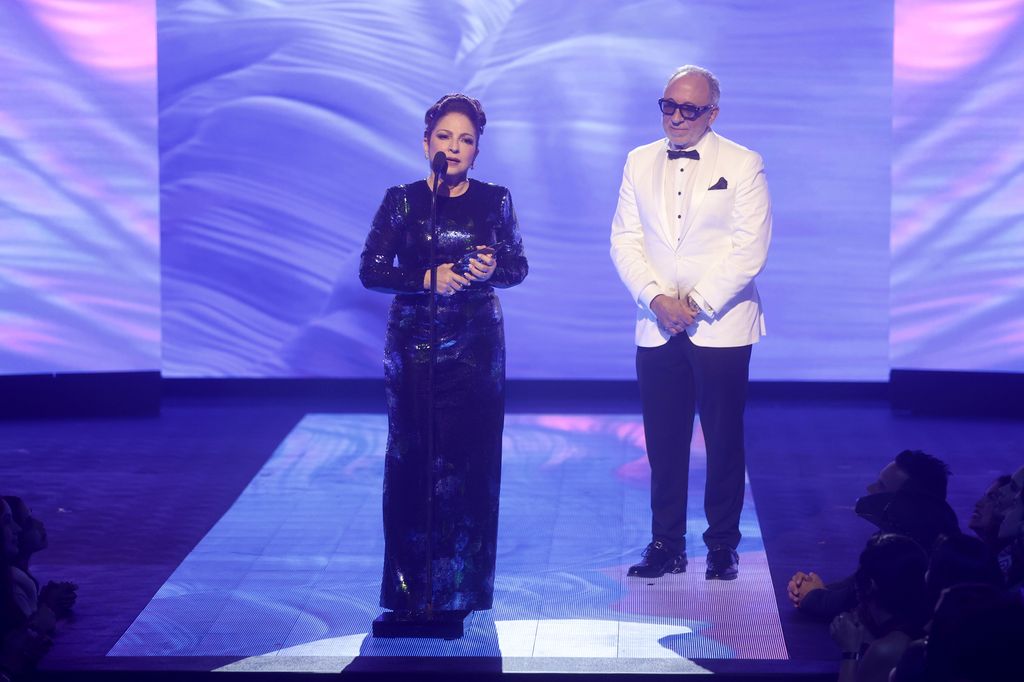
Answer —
677 380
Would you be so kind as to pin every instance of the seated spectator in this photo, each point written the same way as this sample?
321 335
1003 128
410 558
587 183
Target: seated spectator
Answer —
10 614
958 559
892 608
1011 537
913 471
908 498
58 597
22 643
21 649
975 635
961 572
990 510
916 515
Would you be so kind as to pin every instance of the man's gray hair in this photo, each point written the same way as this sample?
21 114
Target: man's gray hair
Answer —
712 80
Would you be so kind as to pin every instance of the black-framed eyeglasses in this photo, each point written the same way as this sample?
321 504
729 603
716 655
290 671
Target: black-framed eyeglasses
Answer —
687 111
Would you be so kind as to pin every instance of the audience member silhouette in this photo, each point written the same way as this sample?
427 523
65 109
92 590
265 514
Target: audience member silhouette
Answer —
918 515
24 639
1011 537
58 597
909 498
10 615
990 509
978 626
955 560
975 635
959 559
28 615
892 608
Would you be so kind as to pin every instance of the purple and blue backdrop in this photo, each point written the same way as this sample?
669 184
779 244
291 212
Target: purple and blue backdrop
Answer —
79 195
889 131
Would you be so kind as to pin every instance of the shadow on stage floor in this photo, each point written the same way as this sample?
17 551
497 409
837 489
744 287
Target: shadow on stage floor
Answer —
242 535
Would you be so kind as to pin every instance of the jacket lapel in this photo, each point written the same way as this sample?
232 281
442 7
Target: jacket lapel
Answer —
658 191
705 172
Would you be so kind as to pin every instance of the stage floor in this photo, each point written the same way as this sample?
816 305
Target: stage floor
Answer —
244 535
292 570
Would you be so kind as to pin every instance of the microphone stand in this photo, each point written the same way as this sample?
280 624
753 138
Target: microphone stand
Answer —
438 176
446 624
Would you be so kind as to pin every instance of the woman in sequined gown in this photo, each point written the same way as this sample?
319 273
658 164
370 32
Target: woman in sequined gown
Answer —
469 375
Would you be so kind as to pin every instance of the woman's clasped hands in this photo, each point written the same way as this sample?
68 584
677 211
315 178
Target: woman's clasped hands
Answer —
449 281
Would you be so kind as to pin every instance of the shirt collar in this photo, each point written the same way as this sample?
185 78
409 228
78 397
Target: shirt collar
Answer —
699 147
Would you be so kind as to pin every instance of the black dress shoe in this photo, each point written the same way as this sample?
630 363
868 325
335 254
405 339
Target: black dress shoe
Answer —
723 564
657 561
421 624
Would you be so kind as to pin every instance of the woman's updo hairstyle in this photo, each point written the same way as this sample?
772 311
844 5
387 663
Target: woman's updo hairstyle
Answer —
458 103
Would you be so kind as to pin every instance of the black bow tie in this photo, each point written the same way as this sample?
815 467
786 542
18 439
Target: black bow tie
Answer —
674 154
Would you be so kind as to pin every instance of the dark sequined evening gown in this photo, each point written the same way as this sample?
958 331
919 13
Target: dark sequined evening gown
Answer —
469 393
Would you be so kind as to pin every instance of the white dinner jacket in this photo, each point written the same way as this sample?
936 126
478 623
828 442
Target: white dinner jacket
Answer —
722 246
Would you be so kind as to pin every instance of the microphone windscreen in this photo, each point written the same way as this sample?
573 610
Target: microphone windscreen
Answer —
439 165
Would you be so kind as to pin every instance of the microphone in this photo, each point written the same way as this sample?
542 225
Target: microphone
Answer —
439 165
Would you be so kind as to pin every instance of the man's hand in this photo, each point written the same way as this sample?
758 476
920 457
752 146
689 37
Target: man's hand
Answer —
801 583
674 315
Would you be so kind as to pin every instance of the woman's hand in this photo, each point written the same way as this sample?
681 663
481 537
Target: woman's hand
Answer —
60 597
482 267
847 631
448 282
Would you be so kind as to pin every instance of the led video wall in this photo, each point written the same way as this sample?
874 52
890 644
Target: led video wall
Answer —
227 243
958 187
282 123
79 207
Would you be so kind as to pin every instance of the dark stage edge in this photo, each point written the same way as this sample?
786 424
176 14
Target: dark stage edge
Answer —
994 394
923 392
527 396
86 394
58 395
160 669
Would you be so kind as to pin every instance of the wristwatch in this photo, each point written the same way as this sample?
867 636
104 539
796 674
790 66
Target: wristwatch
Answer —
693 304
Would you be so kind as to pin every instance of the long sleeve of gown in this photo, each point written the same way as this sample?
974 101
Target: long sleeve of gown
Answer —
512 266
377 269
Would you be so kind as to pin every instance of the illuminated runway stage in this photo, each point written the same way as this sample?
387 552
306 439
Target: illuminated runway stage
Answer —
288 578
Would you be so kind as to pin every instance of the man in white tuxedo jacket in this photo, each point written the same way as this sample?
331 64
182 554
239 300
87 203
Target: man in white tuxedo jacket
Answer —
690 233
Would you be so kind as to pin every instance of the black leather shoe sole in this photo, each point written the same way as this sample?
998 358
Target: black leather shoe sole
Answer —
730 574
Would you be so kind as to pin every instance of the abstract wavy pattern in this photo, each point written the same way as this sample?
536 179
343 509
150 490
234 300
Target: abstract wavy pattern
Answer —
79 261
958 186
282 122
290 574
